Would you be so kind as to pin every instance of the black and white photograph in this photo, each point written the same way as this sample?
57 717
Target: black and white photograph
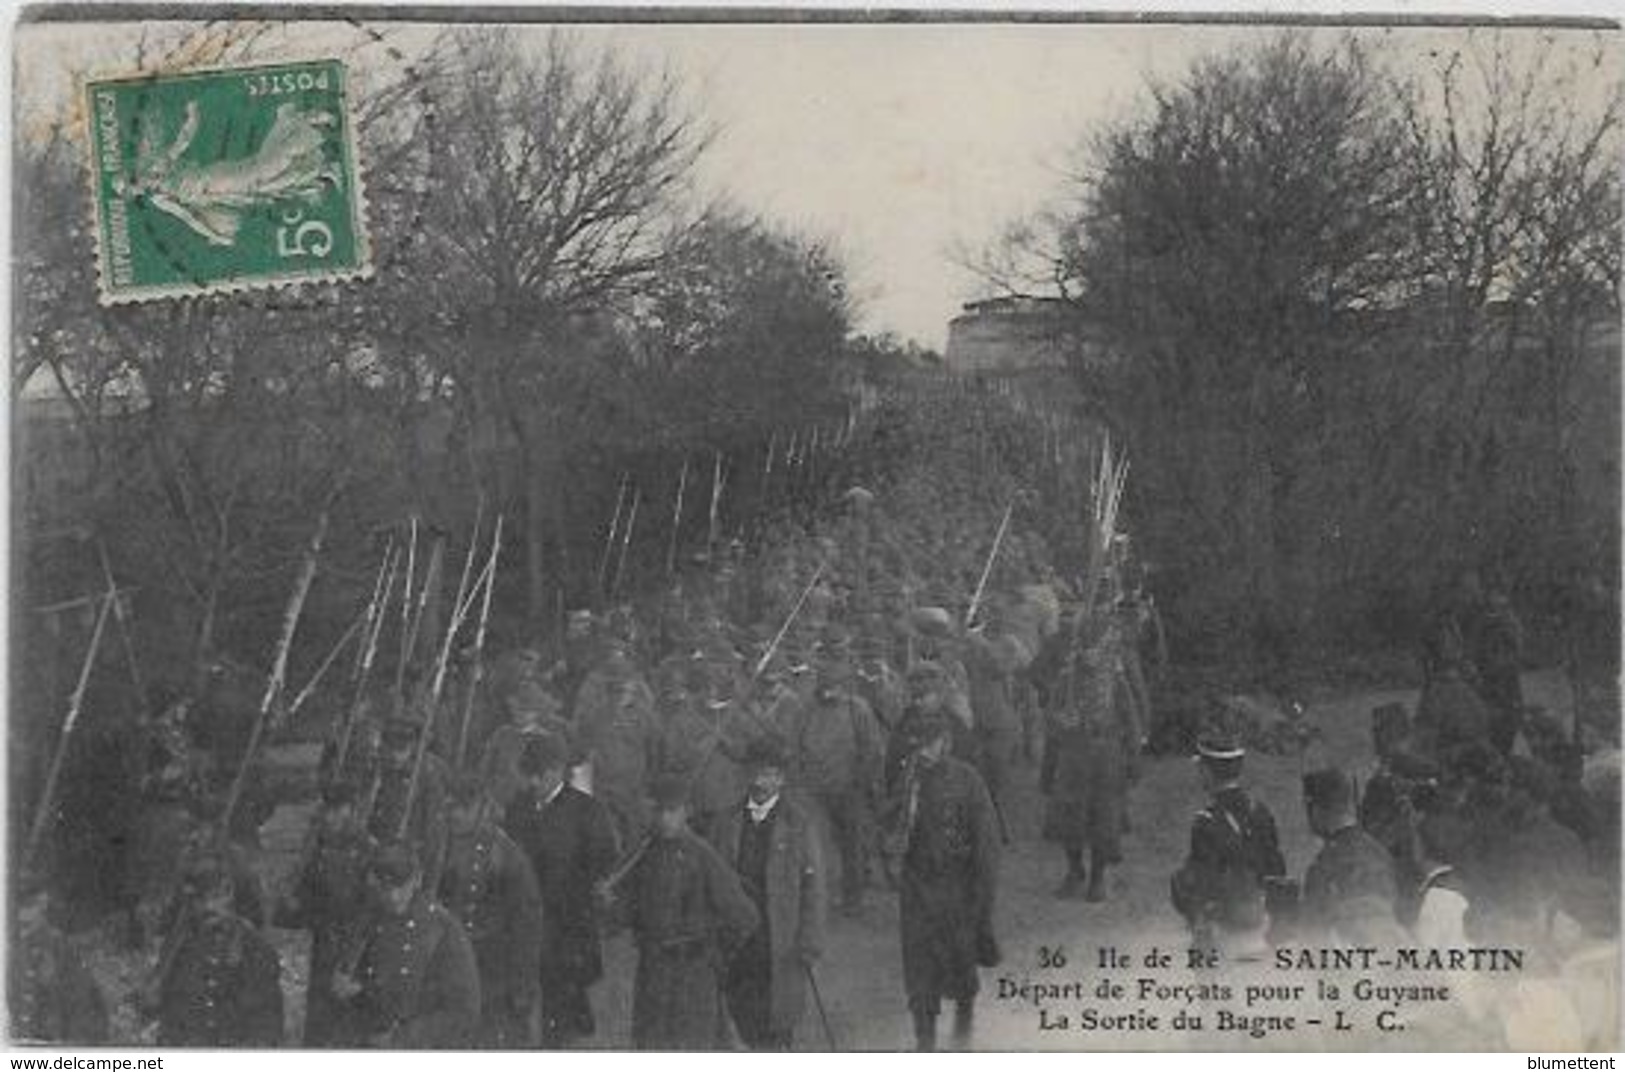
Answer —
813 530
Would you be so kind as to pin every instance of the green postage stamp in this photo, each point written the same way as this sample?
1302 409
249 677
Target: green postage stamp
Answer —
210 181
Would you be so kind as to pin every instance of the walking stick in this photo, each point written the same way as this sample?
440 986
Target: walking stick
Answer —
42 812
279 668
818 1001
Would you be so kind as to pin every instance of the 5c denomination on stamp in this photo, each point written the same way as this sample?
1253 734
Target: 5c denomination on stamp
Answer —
210 181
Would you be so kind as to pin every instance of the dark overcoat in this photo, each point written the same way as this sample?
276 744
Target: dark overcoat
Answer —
570 842
688 911
795 901
420 982
949 877
222 986
488 884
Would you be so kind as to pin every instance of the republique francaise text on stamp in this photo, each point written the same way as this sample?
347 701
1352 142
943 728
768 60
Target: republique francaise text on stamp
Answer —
209 181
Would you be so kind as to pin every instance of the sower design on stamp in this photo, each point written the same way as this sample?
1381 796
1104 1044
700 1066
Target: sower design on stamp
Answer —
211 181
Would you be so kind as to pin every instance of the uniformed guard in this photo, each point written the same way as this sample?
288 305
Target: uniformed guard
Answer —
569 838
688 913
51 994
415 985
1235 853
948 835
1091 741
330 898
488 884
1350 888
772 845
220 983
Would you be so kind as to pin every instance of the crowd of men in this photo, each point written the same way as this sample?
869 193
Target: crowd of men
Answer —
709 771
779 736
1482 824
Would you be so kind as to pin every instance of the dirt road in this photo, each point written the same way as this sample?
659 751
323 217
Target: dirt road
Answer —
860 975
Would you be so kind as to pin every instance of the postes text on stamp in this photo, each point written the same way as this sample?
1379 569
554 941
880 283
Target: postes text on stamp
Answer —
209 181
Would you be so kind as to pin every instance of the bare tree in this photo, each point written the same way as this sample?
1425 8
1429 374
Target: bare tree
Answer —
560 179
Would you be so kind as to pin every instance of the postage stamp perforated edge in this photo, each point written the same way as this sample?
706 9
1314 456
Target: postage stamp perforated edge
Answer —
355 193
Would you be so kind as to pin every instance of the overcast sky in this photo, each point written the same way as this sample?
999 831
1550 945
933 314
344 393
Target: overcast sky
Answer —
900 143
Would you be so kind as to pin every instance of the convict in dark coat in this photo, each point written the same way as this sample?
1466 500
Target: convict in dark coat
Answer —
416 985
51 994
688 913
1093 736
949 838
488 884
772 845
1451 718
1350 888
220 983
569 838
1222 887
1495 646
330 897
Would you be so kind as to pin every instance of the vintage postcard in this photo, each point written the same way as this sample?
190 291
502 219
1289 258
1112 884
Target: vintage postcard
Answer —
819 531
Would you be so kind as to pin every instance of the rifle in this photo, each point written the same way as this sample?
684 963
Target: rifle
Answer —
626 541
279 668
625 868
460 612
137 679
716 500
76 699
322 668
609 541
406 605
478 670
677 520
767 655
369 647
987 570
431 581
